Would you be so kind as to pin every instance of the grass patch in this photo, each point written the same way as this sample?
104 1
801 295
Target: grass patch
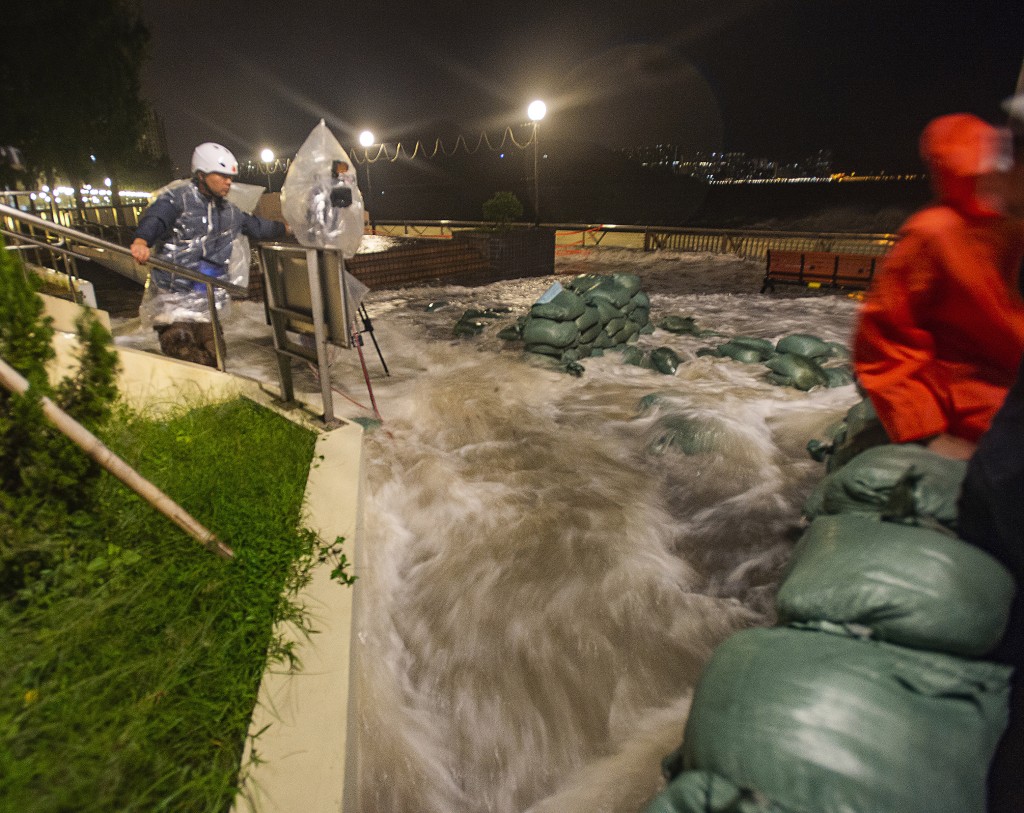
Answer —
131 656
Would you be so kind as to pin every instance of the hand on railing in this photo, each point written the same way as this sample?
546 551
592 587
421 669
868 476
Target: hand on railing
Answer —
139 250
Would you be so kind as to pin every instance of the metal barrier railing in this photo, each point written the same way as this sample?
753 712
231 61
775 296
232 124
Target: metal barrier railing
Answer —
52 244
750 244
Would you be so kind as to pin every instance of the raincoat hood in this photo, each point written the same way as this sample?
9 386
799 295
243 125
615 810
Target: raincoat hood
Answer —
959 148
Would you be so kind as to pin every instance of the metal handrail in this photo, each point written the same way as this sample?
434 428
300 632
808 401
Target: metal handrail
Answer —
99 242
70 236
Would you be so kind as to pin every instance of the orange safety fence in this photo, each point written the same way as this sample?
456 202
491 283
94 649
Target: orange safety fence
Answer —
574 242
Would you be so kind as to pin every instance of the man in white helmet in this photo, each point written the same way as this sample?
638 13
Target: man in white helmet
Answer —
191 223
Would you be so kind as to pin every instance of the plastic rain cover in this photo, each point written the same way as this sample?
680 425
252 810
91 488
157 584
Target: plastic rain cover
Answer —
320 198
162 307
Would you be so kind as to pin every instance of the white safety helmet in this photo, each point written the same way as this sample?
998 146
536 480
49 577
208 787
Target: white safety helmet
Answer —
210 157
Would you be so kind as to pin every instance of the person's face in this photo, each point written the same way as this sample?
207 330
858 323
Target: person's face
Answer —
219 185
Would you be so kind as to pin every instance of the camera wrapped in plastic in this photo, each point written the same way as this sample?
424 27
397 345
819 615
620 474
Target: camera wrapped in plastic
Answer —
320 198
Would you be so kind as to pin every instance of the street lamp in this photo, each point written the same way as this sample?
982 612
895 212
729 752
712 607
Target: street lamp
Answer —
536 112
366 140
266 156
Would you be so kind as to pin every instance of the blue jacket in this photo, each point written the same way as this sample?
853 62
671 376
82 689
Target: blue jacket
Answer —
186 227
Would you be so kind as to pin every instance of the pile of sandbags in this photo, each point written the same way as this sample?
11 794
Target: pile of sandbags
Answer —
586 316
799 360
871 693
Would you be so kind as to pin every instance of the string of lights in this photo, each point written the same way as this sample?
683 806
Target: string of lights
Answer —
383 154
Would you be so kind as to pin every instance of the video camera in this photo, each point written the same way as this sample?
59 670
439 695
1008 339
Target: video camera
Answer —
341 192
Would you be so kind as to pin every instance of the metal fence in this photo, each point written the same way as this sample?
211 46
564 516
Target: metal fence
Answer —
117 223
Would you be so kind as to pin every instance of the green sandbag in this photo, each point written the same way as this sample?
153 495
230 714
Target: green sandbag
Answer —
838 376
797 371
588 318
606 311
909 586
741 352
590 334
705 792
544 350
828 724
564 306
617 289
485 313
635 356
765 347
682 325
665 360
511 333
839 351
687 435
584 282
860 429
469 327
548 331
615 325
642 316
628 332
803 344
901 482
641 300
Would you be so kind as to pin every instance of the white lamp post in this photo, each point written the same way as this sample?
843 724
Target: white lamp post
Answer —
536 112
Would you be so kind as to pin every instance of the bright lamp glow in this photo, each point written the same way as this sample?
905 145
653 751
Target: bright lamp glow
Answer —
536 110
267 155
366 139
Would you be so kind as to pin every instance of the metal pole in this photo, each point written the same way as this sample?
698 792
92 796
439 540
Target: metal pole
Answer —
536 180
92 446
315 267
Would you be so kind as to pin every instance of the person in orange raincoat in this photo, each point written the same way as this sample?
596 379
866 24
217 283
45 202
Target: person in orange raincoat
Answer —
941 334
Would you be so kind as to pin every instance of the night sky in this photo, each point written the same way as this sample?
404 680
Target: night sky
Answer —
772 78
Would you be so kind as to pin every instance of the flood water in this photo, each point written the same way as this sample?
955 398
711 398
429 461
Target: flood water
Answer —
542 575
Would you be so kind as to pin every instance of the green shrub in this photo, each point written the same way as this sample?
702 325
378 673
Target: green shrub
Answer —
502 209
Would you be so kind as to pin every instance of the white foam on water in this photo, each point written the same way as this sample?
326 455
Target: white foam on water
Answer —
543 574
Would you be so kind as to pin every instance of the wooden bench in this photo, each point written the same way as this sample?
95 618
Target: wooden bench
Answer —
819 269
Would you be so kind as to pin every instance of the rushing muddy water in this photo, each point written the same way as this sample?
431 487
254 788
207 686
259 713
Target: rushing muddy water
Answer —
542 575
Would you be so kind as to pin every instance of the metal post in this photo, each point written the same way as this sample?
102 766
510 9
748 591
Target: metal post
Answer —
536 181
315 267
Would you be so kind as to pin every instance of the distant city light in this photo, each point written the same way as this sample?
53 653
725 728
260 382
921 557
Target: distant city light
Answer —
266 155
366 139
536 110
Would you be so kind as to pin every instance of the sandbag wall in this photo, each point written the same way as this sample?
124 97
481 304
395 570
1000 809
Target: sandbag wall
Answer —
590 314
871 693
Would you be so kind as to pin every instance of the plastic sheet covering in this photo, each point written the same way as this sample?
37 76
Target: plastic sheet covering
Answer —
908 586
823 723
162 307
320 198
245 196
900 482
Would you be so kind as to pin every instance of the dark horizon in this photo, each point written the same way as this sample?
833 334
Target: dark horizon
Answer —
765 77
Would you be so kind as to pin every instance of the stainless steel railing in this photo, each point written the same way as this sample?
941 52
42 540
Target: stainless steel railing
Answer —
55 246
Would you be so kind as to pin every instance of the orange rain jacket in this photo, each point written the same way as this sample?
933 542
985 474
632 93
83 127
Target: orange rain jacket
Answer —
941 334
